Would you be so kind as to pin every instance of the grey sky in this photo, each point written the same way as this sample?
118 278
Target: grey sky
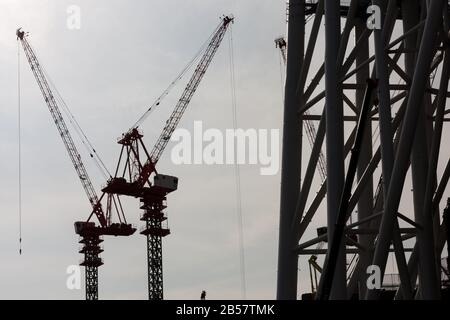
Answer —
108 72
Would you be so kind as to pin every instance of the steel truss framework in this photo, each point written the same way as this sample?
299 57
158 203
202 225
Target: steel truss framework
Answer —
409 57
91 249
153 202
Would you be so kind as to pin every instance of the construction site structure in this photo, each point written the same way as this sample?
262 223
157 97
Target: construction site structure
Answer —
136 165
88 231
378 100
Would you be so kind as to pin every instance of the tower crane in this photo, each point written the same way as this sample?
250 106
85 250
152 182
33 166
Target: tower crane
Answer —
136 165
89 232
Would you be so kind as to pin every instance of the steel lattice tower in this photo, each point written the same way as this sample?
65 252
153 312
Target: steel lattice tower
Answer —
153 205
154 255
408 59
91 249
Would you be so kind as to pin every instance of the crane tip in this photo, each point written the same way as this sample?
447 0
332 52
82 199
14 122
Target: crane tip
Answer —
227 19
20 34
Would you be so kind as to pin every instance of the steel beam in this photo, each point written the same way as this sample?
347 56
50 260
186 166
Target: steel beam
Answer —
347 251
406 139
385 125
291 154
412 263
309 175
334 138
365 199
321 194
419 168
336 240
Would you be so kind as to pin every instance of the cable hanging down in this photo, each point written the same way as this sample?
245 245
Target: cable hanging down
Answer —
237 173
78 130
74 123
19 131
175 81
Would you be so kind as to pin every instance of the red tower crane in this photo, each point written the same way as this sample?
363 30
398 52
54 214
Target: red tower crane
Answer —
89 232
136 165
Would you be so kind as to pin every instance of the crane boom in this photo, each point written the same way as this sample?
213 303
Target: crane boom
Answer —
310 129
188 92
62 128
148 167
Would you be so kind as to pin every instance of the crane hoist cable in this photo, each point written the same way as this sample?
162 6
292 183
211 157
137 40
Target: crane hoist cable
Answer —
78 130
280 58
19 131
237 171
82 136
191 62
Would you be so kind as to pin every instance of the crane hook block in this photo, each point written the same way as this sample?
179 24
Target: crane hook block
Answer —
20 34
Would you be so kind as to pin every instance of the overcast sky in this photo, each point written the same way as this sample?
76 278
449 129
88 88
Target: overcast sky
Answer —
109 72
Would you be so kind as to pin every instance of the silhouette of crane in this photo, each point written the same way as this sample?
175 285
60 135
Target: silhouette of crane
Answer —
136 165
89 232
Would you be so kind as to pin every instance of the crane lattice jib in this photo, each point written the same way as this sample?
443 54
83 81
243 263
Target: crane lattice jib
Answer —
183 102
62 128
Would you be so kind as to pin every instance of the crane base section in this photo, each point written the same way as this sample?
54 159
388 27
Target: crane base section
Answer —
91 249
90 239
155 229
